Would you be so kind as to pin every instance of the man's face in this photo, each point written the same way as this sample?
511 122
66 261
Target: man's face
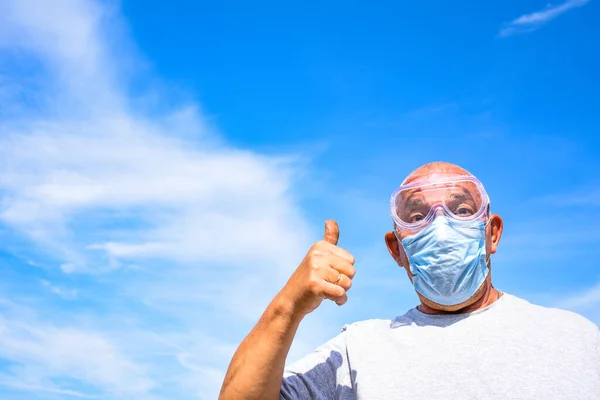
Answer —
461 200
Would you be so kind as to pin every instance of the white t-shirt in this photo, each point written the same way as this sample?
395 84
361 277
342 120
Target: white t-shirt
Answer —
509 350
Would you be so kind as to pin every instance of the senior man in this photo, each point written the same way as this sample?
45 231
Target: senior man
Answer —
465 340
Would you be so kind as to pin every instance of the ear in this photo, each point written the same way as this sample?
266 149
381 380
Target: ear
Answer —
393 247
494 233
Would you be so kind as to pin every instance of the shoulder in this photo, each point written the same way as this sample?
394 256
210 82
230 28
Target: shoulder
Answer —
554 317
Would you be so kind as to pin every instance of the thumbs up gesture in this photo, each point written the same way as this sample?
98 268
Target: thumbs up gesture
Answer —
326 272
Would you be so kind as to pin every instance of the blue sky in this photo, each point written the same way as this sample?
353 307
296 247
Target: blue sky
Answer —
165 166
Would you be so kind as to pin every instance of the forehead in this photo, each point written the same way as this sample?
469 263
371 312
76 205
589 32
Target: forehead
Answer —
435 176
432 192
436 188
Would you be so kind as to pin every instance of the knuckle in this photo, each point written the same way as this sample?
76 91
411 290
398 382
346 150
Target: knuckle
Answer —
320 245
314 285
351 272
316 269
347 269
314 258
313 249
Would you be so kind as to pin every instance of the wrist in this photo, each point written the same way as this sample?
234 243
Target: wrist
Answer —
283 306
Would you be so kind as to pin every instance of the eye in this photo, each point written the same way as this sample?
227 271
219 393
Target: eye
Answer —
415 217
464 210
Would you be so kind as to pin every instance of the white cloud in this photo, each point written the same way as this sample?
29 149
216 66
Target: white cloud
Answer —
13 383
585 299
65 294
196 196
43 352
531 22
184 227
586 302
583 197
196 202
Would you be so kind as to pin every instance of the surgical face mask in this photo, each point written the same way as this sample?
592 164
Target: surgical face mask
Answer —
448 260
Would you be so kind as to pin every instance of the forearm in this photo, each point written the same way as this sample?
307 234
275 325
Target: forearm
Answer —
256 369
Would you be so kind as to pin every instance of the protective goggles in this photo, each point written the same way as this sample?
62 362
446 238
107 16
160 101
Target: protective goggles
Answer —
415 205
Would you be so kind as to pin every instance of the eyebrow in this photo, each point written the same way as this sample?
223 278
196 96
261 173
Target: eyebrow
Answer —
461 197
413 202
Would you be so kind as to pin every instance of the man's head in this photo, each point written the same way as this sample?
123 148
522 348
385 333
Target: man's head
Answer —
429 175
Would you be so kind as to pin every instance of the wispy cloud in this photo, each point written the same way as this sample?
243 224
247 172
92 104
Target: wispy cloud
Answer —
584 197
187 232
584 299
531 22
42 351
65 294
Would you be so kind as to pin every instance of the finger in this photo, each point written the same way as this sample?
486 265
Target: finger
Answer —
332 232
337 278
334 292
330 289
344 282
343 266
340 301
341 253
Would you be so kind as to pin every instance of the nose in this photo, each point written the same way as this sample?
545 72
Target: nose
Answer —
438 210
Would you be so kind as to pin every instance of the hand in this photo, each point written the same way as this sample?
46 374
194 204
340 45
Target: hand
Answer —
326 272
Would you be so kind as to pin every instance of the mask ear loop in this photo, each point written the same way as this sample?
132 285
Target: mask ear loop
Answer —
397 238
396 232
488 258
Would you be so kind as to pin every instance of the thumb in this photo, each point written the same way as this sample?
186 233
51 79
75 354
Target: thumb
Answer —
332 232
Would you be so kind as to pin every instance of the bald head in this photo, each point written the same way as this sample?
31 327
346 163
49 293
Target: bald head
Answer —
433 169
430 173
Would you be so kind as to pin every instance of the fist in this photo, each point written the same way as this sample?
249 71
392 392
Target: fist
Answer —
325 273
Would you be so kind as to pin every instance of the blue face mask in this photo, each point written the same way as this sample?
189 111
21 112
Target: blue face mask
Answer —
447 259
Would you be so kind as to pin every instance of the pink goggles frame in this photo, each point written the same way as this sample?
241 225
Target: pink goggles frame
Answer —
417 226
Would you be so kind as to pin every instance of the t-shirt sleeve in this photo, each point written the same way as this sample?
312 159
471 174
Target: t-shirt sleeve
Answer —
322 375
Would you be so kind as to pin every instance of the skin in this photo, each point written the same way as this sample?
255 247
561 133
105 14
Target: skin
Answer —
326 272
486 294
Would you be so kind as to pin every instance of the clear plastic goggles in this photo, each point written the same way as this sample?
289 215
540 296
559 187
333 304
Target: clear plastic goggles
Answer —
415 205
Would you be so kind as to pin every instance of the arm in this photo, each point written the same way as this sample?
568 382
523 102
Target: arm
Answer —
256 369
